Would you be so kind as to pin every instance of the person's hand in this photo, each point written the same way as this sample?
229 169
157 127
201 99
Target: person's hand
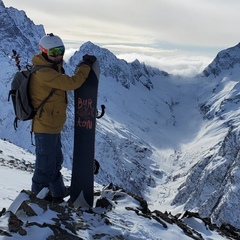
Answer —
89 59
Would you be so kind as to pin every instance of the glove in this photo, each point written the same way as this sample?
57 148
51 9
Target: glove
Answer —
89 60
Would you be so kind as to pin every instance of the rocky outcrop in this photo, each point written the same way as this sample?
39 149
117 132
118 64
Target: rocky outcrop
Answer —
61 221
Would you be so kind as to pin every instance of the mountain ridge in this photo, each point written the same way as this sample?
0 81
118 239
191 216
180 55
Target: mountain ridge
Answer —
225 60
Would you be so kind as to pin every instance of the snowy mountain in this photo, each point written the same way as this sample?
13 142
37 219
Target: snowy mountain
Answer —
18 32
225 60
171 140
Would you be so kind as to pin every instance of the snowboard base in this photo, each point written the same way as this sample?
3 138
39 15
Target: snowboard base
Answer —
85 101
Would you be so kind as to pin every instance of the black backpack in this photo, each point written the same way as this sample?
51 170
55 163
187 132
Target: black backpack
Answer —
21 100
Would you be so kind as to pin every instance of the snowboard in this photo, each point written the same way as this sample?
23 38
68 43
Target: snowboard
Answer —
85 100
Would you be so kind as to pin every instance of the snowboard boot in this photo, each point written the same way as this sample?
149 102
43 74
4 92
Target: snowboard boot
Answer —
61 199
50 198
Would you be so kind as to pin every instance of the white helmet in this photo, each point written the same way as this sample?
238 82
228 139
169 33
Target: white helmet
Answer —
53 43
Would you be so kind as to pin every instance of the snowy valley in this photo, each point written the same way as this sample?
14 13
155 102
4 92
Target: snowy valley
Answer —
172 141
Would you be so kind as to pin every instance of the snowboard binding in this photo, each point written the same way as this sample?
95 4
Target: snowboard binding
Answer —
96 167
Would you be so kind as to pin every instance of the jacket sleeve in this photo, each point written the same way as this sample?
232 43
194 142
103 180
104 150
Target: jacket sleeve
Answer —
54 79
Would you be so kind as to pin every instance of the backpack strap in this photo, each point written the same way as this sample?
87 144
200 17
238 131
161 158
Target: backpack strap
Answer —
11 92
37 67
34 69
44 101
15 123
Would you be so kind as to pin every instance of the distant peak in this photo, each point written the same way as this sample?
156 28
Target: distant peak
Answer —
89 46
2 4
226 59
88 43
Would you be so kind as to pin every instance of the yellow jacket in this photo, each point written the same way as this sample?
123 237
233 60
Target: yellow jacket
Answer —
53 113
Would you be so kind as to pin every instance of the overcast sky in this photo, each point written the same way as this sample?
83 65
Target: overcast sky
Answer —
181 37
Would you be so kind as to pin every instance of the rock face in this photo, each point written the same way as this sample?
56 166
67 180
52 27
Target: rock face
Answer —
18 32
59 221
225 60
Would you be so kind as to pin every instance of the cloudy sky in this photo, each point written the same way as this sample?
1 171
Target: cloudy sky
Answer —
181 37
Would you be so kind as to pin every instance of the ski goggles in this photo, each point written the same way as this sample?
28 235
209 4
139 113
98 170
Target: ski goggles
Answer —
56 51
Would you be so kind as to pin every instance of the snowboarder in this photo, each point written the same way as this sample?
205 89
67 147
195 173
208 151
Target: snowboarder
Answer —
48 123
16 57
